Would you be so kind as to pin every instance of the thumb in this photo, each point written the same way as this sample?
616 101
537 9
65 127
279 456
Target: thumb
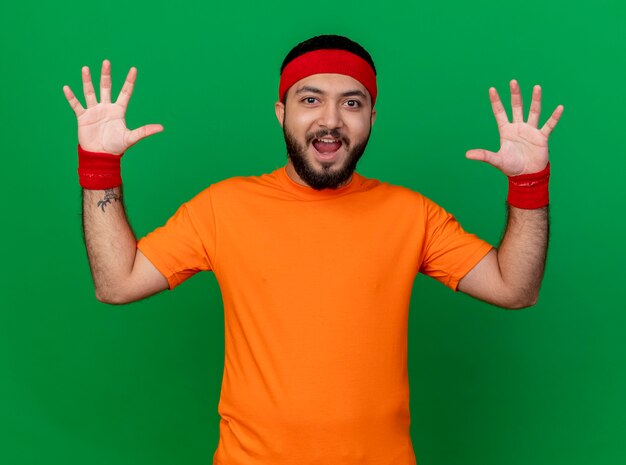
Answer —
141 133
485 155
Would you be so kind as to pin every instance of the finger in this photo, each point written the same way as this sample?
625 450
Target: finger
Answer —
73 101
535 107
551 123
517 107
127 88
141 133
90 94
485 155
497 107
105 82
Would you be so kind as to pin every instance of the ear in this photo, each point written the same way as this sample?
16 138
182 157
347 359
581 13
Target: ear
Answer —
279 108
373 115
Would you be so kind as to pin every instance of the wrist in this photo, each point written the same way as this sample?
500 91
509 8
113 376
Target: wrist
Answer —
529 191
98 170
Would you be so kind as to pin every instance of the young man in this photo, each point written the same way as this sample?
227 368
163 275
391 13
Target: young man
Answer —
315 262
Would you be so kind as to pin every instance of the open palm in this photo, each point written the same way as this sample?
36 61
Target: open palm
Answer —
523 147
101 126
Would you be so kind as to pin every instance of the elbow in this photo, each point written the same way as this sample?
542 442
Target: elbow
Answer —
521 301
108 296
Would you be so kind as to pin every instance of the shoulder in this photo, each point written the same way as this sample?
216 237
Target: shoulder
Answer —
396 193
236 188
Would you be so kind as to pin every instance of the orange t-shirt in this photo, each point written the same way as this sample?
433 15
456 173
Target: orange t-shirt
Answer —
316 288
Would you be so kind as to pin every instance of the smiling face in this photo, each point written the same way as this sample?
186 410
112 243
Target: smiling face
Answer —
326 121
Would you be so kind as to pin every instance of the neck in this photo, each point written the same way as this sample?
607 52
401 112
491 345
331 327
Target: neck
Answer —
295 177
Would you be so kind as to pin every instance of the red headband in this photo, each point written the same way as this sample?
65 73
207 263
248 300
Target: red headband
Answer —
328 61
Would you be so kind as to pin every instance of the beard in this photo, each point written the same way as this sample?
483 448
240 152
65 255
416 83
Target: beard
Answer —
329 176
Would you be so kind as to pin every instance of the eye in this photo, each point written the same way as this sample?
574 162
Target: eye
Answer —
309 100
353 103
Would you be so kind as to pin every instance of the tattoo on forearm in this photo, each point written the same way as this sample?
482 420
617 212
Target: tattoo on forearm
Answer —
109 195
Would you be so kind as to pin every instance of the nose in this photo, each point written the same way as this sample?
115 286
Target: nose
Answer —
330 116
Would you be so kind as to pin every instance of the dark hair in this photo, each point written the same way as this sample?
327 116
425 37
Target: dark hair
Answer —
328 41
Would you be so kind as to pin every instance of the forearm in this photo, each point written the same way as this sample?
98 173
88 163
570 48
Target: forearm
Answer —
110 242
522 255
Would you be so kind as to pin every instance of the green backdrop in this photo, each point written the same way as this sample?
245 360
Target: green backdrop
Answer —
86 383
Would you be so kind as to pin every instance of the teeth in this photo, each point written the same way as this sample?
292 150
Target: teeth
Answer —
328 141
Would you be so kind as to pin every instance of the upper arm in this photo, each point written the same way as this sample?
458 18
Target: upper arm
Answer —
484 281
449 252
481 280
144 280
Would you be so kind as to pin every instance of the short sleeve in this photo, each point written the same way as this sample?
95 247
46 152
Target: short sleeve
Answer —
184 245
449 251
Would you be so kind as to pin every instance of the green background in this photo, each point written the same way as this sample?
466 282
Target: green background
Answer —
86 383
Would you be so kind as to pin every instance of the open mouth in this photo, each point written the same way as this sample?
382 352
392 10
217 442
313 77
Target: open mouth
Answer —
327 147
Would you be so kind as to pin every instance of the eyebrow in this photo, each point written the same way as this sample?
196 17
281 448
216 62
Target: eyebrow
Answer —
315 90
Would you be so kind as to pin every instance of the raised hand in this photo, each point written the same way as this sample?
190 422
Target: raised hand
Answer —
101 126
523 147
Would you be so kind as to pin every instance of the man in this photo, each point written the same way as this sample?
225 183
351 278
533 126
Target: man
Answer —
315 262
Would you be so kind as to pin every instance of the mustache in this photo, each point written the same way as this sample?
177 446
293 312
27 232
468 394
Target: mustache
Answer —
334 133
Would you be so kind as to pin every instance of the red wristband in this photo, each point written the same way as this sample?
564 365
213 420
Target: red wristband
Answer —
529 191
98 170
